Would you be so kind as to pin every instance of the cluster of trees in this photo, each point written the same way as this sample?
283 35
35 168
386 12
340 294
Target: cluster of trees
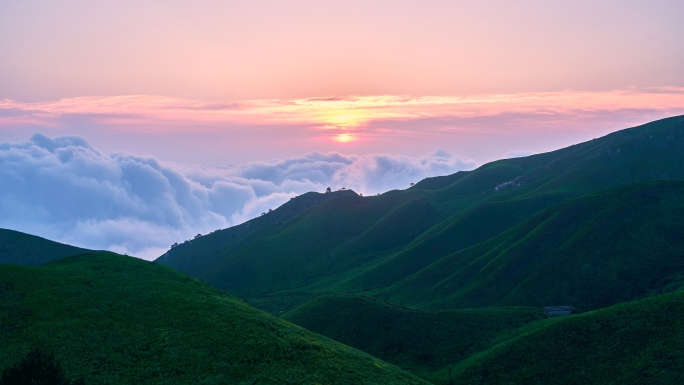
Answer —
196 236
328 190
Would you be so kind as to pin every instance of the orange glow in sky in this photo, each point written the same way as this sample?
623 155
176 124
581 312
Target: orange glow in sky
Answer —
354 113
253 80
344 138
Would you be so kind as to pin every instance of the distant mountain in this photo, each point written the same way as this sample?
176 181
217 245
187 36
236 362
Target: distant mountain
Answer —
119 320
343 242
18 248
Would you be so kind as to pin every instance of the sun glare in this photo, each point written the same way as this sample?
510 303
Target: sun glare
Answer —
344 138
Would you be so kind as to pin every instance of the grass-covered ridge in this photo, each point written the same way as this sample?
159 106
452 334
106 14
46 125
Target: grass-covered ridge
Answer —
341 242
424 342
119 320
19 248
588 252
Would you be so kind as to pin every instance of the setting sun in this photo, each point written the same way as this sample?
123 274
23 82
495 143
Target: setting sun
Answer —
344 138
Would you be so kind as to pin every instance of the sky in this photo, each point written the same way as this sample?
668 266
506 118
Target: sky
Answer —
131 125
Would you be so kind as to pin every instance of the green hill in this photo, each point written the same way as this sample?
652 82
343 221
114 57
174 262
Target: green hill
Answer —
588 252
424 342
638 342
119 320
500 194
18 248
340 232
343 242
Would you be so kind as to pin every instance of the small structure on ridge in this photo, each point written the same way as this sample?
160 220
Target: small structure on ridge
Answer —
554 311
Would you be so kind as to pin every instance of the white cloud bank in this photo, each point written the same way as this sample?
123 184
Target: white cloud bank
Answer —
66 190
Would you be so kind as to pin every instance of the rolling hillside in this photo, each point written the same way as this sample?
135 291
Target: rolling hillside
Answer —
637 343
588 252
347 243
18 248
424 342
118 320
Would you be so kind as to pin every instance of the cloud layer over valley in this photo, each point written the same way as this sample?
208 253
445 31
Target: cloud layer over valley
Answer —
66 190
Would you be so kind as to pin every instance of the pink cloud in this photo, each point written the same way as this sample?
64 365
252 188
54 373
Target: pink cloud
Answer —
337 113
481 127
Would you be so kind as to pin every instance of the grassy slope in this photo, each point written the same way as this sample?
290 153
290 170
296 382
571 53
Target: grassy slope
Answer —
588 252
307 246
331 240
201 254
116 320
424 342
650 152
354 244
471 226
23 249
638 342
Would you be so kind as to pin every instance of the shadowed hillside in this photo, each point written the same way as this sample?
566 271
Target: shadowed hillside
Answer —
424 342
29 250
637 342
119 320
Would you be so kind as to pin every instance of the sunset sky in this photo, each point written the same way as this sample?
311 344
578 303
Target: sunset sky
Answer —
242 105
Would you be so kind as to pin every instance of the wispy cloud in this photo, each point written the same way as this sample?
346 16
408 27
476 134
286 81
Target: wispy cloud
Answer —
480 126
338 113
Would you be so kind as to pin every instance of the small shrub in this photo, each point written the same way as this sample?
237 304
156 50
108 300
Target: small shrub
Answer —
36 368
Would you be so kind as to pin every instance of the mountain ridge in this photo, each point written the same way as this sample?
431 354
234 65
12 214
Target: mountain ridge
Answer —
343 244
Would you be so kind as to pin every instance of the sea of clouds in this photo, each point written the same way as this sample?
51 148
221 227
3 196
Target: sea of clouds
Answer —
66 190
